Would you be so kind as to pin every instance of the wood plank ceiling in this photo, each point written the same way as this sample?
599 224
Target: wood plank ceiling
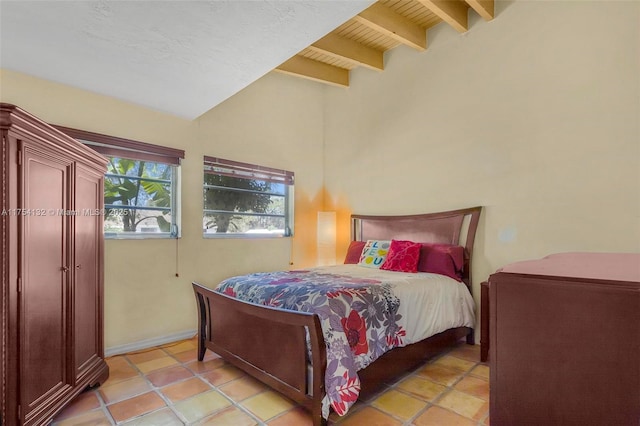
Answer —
362 41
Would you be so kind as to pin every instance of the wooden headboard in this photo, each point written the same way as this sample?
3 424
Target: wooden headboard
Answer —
452 227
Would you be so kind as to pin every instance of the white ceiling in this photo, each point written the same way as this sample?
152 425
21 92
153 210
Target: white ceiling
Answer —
179 57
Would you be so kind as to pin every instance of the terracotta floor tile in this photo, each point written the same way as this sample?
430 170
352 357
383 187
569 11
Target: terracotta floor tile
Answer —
156 364
193 402
201 405
436 416
185 389
204 366
144 356
482 412
296 417
91 418
242 388
222 375
454 363
474 386
187 356
422 388
267 405
123 390
439 374
228 417
192 355
368 397
463 404
164 417
467 352
398 404
137 406
210 355
121 371
481 371
166 376
82 403
180 347
117 361
370 417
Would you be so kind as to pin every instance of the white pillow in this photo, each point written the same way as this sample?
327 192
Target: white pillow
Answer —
374 253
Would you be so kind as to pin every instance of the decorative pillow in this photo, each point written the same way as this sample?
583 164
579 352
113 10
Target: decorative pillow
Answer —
403 256
354 252
443 259
374 253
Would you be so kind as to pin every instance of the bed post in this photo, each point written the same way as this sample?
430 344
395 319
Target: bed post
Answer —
471 237
471 337
202 322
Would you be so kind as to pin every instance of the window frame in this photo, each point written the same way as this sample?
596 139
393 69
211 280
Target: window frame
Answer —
248 171
112 146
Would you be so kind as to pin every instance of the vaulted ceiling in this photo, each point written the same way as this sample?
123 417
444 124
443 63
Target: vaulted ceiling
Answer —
185 57
362 41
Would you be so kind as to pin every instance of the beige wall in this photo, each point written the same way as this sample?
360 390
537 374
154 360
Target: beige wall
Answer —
534 116
275 122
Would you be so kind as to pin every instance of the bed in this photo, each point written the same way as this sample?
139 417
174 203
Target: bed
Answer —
297 346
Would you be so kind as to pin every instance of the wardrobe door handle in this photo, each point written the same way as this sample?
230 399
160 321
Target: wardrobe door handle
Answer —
64 269
78 266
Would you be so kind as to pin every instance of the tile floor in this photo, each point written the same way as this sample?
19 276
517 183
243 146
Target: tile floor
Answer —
167 386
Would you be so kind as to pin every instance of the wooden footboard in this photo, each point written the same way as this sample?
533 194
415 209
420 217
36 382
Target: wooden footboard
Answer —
270 345
267 343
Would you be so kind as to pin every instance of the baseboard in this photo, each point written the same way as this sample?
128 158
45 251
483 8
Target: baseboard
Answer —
149 343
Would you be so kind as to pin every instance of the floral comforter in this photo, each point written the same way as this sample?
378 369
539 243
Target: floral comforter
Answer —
361 314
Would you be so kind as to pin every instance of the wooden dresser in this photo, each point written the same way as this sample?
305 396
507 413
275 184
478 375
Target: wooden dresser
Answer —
565 341
52 269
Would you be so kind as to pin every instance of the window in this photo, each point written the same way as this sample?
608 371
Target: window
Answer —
140 186
245 200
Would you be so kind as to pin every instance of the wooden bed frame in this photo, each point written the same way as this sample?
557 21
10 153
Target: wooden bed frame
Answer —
273 346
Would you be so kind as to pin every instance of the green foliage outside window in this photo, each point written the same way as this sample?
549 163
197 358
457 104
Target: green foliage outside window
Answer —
235 205
138 196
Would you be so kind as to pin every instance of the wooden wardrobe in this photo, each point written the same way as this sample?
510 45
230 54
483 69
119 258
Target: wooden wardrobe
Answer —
52 268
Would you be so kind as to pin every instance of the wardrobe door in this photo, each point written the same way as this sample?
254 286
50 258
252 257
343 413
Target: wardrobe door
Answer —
87 294
45 351
9 298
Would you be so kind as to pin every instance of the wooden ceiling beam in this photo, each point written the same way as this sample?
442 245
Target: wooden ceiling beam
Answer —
315 70
349 50
385 21
453 12
484 8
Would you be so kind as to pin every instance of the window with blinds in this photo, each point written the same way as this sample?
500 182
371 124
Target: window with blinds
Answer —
141 186
246 200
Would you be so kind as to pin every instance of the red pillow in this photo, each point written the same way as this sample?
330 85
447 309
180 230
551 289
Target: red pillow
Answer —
354 252
403 256
443 259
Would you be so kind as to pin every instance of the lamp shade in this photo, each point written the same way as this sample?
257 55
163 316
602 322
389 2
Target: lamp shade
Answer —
326 238
326 228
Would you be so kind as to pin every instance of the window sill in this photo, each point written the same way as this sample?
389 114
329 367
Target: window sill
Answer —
257 236
154 236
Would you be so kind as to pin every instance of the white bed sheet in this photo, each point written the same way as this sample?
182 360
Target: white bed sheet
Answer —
429 303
